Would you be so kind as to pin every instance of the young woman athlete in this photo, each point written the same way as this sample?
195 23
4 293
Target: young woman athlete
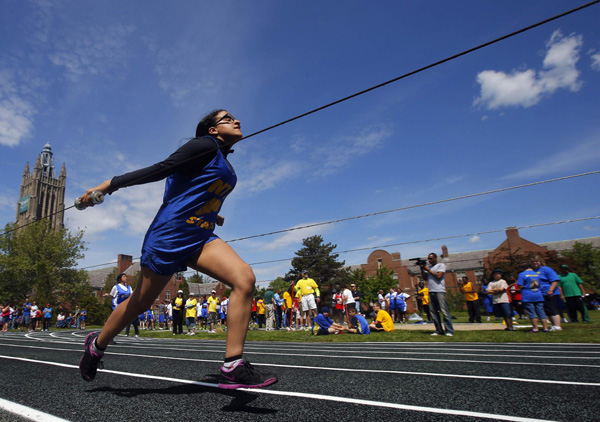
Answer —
199 177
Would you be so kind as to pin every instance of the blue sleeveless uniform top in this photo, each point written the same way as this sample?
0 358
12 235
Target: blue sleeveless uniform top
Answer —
122 294
400 303
186 219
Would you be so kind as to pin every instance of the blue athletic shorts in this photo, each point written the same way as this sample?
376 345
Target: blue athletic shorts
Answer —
169 266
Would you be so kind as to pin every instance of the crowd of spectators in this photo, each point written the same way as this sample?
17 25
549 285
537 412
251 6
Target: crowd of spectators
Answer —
31 318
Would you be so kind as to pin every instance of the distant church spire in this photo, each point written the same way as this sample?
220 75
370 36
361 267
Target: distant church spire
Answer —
42 193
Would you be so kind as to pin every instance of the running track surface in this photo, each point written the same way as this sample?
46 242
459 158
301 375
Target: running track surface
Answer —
155 379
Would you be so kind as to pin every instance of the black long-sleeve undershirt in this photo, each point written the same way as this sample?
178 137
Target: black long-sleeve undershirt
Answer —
187 160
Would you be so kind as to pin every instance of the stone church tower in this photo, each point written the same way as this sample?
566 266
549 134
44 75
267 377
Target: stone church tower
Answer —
42 193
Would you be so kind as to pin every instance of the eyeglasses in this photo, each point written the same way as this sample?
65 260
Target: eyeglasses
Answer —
226 119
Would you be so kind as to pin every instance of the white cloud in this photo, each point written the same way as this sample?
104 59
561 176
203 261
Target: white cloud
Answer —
573 159
295 236
92 51
16 120
596 62
526 88
266 174
475 239
338 153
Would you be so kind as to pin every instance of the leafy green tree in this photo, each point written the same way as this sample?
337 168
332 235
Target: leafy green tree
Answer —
370 286
279 283
40 262
197 278
321 263
584 260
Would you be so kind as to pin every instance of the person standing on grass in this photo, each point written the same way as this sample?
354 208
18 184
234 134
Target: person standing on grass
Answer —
199 178
213 318
549 287
435 272
269 301
178 309
472 299
498 288
423 293
572 293
190 314
532 297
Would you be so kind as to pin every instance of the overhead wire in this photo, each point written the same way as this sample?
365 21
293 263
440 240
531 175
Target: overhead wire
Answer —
413 72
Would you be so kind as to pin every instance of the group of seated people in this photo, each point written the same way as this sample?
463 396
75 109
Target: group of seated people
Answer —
357 324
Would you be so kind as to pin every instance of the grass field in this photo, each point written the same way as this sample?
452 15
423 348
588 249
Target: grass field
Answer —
492 331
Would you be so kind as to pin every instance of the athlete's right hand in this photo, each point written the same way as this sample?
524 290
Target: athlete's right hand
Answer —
102 187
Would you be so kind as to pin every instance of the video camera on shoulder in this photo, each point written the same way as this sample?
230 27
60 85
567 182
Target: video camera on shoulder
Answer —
420 262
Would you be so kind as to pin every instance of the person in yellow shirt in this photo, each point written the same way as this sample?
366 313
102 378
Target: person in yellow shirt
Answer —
382 321
190 314
212 302
472 298
423 294
308 289
287 308
177 304
260 311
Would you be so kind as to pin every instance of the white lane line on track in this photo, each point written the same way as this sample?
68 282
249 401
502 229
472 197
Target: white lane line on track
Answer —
335 399
336 369
147 345
28 412
437 360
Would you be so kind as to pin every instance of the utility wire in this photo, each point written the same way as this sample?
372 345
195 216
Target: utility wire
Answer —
438 238
472 195
439 62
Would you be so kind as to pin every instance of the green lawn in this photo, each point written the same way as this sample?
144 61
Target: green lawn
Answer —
572 333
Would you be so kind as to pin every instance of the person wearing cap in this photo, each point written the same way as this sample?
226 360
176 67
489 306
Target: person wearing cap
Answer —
177 304
322 325
190 314
572 293
499 290
472 299
211 302
307 289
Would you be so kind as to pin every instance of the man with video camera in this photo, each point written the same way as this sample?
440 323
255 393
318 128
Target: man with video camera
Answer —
434 272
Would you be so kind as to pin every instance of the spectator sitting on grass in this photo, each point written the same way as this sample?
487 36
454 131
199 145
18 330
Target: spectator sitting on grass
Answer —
323 325
382 321
358 323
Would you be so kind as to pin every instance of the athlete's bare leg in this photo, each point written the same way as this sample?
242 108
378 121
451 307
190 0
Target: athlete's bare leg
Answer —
148 288
219 261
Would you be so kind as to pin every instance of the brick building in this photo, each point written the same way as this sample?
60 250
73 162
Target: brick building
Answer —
125 264
472 264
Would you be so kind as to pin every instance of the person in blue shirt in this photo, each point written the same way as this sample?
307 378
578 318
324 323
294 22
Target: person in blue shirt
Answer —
323 325
549 288
26 318
47 317
532 297
358 324
199 178
82 318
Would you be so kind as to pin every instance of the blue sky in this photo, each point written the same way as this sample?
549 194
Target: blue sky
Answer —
115 86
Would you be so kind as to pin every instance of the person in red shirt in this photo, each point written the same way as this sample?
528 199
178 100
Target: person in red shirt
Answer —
515 294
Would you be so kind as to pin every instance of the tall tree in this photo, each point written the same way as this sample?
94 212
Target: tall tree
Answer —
321 263
40 262
584 260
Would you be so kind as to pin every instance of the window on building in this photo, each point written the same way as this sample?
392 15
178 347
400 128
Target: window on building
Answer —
460 275
379 263
478 275
167 295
